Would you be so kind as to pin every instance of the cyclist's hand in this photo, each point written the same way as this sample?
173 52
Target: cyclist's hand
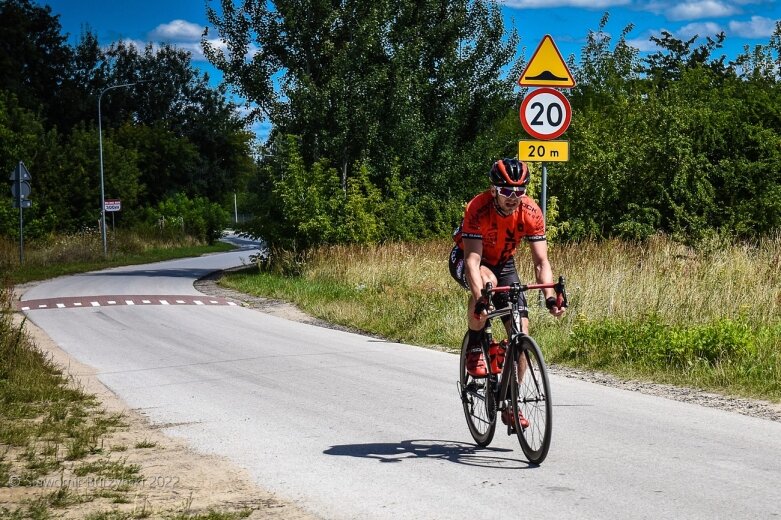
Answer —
553 308
481 308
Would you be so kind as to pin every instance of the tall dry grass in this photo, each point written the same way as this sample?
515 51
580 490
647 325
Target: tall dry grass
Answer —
87 246
718 279
609 279
57 255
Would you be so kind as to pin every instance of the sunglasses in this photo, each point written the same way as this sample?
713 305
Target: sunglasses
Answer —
510 192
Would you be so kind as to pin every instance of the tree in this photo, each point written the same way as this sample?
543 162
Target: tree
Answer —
171 96
33 55
374 87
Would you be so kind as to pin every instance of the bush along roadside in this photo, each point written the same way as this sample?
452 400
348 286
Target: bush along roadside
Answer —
732 354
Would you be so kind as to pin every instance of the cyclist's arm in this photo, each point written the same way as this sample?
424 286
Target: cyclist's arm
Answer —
542 268
473 254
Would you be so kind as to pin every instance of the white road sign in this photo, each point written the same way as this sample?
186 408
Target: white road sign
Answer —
545 113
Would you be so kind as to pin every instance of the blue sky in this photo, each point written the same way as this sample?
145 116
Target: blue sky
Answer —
745 22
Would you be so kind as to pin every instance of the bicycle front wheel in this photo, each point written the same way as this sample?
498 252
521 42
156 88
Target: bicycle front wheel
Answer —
478 401
530 393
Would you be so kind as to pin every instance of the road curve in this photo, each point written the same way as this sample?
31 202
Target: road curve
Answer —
354 427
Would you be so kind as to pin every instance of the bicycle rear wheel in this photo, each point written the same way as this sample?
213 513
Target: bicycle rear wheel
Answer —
478 401
530 393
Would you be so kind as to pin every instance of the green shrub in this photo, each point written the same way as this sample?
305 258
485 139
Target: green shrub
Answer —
652 344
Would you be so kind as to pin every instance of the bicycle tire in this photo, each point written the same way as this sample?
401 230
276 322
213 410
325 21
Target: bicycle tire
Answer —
478 402
531 395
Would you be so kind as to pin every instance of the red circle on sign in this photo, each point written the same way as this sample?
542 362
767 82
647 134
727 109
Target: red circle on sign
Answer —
545 113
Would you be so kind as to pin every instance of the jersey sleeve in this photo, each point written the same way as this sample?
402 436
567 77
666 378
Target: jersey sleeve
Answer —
470 227
534 221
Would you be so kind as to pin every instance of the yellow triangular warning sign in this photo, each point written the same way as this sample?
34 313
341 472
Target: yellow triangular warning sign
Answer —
546 68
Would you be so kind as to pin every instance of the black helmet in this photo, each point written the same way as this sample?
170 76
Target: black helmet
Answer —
509 172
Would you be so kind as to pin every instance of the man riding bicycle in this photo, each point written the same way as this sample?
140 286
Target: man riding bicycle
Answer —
494 223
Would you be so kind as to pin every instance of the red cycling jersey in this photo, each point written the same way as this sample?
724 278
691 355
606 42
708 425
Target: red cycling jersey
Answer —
500 234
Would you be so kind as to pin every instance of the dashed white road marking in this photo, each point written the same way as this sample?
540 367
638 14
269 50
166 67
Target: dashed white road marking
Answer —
100 301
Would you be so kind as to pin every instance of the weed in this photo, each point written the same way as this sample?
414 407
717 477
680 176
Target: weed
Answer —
214 515
116 496
118 470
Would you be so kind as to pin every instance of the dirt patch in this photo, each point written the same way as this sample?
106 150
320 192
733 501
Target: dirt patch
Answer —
173 478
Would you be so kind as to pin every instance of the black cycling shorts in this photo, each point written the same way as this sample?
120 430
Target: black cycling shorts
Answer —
505 275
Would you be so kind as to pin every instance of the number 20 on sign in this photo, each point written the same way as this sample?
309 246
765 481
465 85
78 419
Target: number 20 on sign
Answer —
547 151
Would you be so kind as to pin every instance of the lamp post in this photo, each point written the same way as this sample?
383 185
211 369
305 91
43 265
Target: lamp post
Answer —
102 189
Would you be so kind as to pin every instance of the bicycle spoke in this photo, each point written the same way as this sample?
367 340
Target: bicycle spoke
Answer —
531 397
478 403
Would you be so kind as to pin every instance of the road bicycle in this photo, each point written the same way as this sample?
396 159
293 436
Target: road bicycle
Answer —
516 378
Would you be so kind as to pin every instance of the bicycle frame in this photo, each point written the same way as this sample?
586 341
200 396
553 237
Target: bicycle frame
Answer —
514 291
520 385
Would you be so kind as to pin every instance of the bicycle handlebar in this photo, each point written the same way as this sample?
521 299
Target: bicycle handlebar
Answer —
517 288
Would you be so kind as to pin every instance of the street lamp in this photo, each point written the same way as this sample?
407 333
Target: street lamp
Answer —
102 189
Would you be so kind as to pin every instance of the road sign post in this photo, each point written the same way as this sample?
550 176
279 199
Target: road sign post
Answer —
112 206
20 189
545 112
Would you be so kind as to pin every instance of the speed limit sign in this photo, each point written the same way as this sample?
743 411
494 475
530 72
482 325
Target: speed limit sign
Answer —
545 113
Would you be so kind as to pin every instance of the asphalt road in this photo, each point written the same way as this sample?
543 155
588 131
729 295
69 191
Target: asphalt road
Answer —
354 427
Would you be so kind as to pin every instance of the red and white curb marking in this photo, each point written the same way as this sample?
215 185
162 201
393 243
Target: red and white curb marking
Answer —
115 301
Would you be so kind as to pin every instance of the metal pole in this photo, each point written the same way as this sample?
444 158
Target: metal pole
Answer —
235 209
544 196
102 188
21 212
544 207
21 234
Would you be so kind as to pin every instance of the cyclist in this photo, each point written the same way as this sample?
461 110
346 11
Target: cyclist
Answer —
494 223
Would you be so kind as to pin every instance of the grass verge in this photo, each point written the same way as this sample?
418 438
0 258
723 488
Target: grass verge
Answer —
55 440
706 316
56 448
83 252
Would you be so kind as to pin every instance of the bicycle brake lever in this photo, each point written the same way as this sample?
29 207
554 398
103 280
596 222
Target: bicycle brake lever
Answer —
561 294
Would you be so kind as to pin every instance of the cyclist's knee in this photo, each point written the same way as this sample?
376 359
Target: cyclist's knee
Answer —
488 276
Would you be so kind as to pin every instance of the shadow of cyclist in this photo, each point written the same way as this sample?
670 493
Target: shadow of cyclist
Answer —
458 452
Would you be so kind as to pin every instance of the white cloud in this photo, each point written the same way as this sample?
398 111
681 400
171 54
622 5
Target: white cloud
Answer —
701 29
757 27
194 48
643 44
181 30
693 9
138 44
538 4
700 9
